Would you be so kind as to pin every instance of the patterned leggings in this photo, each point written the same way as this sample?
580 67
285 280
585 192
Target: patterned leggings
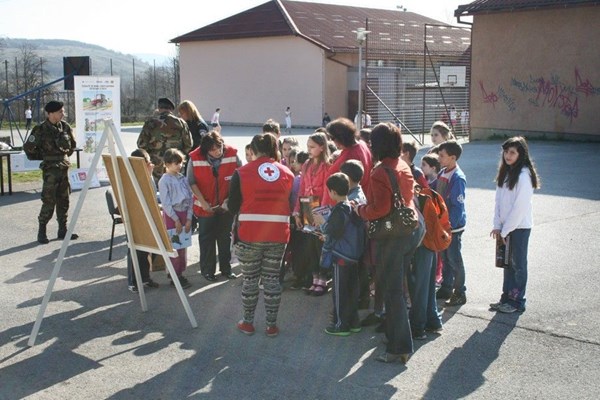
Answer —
260 260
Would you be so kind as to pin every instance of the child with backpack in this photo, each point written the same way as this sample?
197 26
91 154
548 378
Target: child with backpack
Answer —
421 276
344 244
451 184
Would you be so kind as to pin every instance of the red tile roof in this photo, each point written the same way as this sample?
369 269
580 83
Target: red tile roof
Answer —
487 6
333 27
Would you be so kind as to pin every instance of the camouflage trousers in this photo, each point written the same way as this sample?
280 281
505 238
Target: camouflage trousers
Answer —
260 261
55 193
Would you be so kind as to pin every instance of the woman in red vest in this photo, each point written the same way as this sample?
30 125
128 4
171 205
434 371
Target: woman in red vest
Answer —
260 194
209 173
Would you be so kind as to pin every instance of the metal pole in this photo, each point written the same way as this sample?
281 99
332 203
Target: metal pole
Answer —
359 113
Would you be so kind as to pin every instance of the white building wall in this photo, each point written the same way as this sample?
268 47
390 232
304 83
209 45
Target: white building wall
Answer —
252 80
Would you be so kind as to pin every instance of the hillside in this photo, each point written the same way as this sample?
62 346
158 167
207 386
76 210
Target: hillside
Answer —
52 52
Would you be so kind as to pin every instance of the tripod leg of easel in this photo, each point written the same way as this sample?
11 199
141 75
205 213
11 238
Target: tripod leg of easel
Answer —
66 241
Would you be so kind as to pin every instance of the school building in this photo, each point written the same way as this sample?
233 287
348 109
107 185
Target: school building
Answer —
535 68
306 56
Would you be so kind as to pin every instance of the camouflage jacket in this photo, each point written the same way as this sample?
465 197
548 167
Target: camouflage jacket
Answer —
51 143
165 131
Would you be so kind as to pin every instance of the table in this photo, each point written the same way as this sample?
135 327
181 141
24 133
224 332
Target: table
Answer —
7 154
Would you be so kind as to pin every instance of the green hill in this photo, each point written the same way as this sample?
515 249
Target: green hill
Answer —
52 52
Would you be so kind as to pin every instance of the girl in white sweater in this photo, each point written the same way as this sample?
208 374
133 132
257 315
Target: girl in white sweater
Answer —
516 180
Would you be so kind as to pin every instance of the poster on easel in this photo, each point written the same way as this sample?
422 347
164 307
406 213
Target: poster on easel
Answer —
97 98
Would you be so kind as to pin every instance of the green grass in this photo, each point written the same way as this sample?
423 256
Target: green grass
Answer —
21 177
27 176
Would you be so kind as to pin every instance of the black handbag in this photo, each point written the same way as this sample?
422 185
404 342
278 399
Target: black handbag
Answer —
401 220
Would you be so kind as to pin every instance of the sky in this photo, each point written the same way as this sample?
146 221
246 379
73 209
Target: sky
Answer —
147 26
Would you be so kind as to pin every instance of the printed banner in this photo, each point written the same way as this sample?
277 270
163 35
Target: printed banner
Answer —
96 98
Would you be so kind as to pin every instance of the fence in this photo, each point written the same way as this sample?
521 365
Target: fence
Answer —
418 74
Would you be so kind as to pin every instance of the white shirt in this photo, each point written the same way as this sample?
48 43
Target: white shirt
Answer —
514 208
215 118
28 114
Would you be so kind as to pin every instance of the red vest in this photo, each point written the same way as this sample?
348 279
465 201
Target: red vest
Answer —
214 189
265 210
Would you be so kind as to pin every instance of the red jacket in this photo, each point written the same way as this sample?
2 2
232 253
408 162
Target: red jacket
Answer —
359 151
264 215
379 196
214 189
312 182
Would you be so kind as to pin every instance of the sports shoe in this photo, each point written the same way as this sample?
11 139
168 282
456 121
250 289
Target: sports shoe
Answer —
507 308
229 275
272 331
495 306
133 288
184 282
371 319
438 329
245 327
210 277
419 335
332 330
456 300
151 284
392 358
356 329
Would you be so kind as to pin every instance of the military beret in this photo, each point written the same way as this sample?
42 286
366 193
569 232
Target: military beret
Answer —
54 106
163 102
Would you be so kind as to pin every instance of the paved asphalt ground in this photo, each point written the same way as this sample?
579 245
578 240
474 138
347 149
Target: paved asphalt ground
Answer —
96 343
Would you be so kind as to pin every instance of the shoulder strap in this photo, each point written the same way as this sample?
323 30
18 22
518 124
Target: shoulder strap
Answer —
394 181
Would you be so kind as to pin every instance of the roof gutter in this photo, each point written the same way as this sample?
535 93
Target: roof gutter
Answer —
459 13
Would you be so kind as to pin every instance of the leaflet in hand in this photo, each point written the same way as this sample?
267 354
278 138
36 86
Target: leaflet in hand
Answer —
180 240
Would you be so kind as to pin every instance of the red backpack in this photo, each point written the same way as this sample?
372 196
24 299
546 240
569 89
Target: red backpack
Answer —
438 233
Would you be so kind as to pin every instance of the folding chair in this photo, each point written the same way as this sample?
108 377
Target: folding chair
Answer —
115 214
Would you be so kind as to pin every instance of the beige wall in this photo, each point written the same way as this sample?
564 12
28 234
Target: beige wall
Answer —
536 72
255 79
335 90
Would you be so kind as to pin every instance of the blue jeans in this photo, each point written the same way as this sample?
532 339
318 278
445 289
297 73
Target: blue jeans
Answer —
515 277
453 272
421 286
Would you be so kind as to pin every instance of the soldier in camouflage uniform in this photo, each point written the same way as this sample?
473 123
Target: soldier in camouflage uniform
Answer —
53 143
164 131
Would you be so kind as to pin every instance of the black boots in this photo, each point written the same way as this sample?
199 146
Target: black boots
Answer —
42 238
62 232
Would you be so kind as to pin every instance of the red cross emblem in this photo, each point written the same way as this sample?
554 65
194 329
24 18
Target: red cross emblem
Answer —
268 172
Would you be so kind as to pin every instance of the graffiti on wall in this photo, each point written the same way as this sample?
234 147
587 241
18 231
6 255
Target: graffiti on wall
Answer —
553 92
500 94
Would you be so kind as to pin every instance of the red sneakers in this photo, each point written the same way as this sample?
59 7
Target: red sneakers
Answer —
272 331
245 327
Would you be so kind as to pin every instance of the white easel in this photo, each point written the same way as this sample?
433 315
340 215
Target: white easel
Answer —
110 134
